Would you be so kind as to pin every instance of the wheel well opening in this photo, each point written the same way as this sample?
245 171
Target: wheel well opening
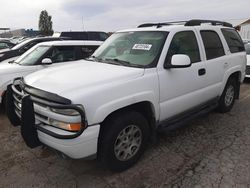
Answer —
237 77
145 108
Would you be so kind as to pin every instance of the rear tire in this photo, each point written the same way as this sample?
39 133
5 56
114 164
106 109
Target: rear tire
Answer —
123 139
228 96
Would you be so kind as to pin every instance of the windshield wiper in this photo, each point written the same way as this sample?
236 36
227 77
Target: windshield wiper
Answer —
94 58
122 62
13 61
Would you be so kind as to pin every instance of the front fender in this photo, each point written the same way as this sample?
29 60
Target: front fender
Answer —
106 109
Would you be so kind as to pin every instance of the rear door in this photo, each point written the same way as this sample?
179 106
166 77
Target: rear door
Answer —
216 61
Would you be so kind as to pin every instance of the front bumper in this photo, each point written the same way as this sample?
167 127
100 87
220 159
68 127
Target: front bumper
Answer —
27 108
83 146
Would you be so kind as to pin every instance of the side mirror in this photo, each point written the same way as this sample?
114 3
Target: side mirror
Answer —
46 61
179 61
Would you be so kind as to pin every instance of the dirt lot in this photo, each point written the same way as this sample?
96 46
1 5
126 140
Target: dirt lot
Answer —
212 151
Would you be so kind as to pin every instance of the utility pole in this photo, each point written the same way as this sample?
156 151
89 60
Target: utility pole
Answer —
82 24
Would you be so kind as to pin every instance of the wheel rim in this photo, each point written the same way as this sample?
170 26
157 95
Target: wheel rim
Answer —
229 96
128 143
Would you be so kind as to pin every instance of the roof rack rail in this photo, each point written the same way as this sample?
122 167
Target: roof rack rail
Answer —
158 25
213 22
194 22
152 24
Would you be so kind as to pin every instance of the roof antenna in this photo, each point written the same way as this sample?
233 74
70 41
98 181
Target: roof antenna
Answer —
82 24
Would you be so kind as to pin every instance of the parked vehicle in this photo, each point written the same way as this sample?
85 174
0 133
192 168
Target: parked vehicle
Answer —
22 47
6 44
139 81
247 46
44 55
83 35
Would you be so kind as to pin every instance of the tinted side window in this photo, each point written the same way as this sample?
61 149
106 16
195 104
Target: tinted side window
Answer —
184 43
87 51
94 36
212 44
103 36
62 54
233 40
75 35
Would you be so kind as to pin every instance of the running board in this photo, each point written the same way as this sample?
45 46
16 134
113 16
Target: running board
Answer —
181 120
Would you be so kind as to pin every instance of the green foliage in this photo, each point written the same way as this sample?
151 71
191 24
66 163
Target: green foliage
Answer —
45 23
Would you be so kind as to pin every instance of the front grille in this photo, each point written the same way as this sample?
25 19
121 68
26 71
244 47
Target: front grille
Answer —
43 102
18 94
42 107
248 70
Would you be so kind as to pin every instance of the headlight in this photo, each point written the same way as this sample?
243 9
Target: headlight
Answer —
67 112
1 55
65 126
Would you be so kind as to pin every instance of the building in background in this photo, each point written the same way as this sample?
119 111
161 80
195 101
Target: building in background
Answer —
243 26
20 33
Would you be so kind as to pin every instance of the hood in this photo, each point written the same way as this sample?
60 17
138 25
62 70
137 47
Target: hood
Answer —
81 74
248 60
8 68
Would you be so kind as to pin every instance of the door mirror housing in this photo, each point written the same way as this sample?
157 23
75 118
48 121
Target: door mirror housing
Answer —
46 61
179 61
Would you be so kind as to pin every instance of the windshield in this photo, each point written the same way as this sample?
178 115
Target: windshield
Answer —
139 48
32 57
247 46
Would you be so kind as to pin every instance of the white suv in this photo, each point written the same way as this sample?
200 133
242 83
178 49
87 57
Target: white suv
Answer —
139 81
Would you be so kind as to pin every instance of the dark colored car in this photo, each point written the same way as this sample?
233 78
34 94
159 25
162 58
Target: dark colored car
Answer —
22 47
4 44
83 35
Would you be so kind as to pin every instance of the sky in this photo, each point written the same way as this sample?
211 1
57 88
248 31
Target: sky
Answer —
104 15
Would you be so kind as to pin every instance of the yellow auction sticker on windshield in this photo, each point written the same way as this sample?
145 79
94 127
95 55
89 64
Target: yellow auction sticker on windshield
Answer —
142 47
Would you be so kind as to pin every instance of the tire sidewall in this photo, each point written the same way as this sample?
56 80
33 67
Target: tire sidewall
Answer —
222 105
116 127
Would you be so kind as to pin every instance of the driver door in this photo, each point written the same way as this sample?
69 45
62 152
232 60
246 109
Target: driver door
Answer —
182 88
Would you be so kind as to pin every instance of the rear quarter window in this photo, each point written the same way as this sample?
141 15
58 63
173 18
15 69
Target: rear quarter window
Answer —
234 41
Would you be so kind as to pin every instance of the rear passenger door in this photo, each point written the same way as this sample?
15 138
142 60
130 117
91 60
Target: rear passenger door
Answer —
215 62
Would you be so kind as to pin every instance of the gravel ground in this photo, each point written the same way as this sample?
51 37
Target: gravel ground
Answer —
211 151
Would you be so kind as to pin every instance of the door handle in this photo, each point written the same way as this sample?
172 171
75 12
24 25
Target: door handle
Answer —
202 72
225 65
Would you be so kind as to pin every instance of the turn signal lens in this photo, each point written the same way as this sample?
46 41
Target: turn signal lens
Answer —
66 126
74 126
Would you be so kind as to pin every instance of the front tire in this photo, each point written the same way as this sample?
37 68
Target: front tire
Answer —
228 96
123 140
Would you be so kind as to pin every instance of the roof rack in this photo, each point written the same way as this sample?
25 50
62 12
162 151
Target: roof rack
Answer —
213 22
187 23
158 25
